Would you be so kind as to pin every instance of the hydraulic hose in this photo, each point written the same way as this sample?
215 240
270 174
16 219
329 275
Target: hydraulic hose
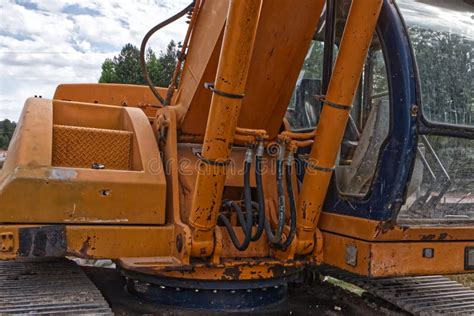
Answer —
152 31
291 198
233 236
247 222
281 196
248 195
275 238
260 196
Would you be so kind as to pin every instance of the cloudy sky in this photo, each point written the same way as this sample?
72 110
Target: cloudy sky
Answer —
47 42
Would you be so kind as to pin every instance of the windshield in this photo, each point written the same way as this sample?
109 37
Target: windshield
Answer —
442 183
442 36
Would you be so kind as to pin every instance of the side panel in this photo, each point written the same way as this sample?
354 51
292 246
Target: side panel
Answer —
86 241
379 259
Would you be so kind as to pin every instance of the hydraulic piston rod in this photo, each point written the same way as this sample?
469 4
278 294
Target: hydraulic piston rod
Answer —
228 91
355 43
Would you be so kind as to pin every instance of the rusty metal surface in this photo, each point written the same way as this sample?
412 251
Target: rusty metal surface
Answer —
422 295
48 287
42 241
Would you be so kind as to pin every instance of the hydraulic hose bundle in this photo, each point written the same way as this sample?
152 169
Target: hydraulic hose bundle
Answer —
276 238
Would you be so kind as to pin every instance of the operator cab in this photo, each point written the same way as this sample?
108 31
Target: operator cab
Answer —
441 188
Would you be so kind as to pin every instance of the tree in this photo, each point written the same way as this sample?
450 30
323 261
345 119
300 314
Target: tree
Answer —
167 61
108 72
125 67
7 128
445 64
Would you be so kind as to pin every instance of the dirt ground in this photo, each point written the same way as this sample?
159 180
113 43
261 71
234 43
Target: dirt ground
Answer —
466 279
321 298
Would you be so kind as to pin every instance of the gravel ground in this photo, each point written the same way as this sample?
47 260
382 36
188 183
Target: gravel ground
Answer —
466 279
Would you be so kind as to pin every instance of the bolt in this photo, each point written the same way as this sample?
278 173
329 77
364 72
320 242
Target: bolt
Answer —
414 110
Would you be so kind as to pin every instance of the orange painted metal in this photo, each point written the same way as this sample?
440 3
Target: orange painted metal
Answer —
165 127
154 219
271 77
71 194
284 35
192 99
99 241
371 230
244 269
182 54
112 94
231 78
353 50
377 259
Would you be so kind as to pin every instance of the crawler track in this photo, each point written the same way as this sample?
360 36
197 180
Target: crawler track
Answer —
48 287
423 295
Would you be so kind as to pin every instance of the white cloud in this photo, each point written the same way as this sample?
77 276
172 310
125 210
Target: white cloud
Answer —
47 42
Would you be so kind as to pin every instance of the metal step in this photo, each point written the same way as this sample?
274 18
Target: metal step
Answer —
421 295
48 286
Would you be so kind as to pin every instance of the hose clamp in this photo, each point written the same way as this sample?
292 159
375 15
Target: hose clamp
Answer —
290 158
260 149
313 166
281 151
323 99
210 86
249 155
211 162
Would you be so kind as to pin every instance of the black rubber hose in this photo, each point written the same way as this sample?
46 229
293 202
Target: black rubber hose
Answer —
230 229
156 28
248 201
245 223
291 198
260 199
281 196
234 206
275 238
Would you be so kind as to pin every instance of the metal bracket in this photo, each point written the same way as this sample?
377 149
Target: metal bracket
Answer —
6 242
43 241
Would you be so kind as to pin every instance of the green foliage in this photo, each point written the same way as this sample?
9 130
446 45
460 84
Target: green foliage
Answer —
313 64
125 67
445 65
7 128
108 72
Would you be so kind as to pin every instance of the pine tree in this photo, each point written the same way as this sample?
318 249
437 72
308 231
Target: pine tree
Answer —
125 67
108 72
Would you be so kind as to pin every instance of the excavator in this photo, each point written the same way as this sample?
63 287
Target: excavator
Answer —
293 137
